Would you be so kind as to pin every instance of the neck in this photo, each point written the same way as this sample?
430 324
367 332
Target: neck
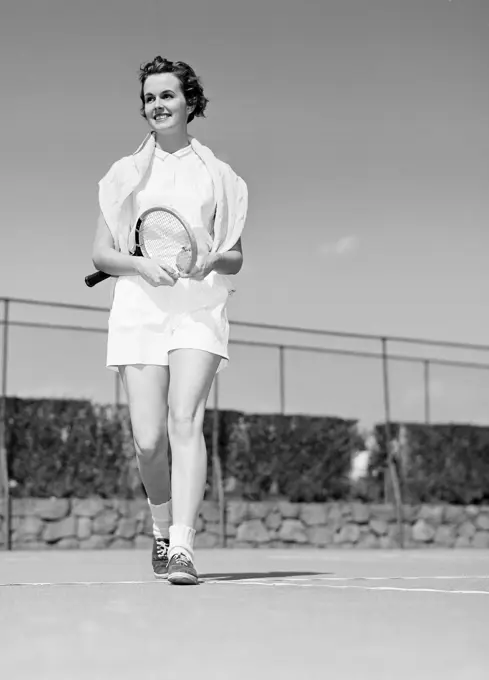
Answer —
173 141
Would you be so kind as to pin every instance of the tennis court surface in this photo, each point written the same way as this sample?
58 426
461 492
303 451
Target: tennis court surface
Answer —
280 614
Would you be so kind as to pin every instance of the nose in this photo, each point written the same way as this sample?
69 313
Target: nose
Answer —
159 104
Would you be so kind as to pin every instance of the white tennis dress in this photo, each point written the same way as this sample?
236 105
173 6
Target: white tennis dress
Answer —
148 322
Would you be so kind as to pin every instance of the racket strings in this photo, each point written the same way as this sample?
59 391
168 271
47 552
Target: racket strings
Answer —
163 237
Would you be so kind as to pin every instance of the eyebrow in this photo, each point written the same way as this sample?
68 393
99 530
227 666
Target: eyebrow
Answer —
163 92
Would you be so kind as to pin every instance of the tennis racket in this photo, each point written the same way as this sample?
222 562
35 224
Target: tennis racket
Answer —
161 234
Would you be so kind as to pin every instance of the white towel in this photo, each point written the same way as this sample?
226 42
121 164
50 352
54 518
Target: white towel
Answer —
116 187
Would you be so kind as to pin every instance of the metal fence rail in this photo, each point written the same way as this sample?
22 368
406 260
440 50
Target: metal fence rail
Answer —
282 348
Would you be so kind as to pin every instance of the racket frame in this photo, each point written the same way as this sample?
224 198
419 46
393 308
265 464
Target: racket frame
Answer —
193 241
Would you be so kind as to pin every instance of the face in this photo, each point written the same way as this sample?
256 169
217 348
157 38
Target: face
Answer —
165 107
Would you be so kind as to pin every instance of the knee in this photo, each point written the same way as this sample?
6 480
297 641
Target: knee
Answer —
183 424
150 444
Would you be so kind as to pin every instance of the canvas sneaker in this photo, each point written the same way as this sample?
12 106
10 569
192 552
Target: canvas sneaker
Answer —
181 571
159 557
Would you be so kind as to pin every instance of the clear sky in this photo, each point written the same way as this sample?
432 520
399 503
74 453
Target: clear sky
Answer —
360 126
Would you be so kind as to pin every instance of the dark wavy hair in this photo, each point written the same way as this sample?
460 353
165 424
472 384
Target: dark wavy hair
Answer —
191 85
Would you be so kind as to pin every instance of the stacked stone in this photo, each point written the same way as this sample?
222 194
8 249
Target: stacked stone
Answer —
354 525
80 523
98 523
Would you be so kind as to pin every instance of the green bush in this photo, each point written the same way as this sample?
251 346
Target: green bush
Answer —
297 457
442 463
68 448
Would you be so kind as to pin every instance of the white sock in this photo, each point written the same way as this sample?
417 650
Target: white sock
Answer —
182 540
162 519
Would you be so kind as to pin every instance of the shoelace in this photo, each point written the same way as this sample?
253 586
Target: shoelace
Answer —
161 549
181 559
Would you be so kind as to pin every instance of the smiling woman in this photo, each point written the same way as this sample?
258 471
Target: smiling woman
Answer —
168 334
174 84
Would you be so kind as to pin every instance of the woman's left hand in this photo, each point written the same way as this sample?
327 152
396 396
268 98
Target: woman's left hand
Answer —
203 267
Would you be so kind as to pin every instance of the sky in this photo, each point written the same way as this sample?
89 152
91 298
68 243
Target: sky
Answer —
362 130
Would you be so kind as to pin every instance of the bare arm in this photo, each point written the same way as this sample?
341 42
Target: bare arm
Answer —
107 259
229 262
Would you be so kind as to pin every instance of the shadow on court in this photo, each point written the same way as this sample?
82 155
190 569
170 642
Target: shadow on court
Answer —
257 575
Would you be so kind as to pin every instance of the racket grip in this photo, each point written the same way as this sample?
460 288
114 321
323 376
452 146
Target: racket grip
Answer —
97 277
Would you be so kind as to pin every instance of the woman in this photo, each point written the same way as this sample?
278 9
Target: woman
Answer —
168 336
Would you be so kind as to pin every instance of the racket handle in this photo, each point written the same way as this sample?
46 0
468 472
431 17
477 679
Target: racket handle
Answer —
97 277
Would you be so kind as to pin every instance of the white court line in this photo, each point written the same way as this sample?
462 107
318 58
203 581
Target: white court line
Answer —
385 578
291 582
225 579
351 587
81 583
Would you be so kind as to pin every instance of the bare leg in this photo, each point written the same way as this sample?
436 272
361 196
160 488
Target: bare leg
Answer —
147 394
191 375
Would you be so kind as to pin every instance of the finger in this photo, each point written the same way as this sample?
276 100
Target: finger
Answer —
151 280
171 273
166 274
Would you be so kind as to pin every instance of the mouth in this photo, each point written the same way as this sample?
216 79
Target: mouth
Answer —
159 117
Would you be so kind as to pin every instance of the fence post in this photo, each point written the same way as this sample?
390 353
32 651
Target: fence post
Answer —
391 462
5 481
427 391
117 389
217 479
281 350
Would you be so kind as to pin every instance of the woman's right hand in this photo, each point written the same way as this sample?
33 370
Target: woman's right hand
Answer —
153 273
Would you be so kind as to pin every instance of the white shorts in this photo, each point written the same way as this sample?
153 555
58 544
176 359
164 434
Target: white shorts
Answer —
146 323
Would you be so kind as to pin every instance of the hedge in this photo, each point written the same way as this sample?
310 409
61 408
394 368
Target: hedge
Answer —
440 463
297 457
67 448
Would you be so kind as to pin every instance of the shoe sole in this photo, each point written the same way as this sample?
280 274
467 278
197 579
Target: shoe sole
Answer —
160 576
181 578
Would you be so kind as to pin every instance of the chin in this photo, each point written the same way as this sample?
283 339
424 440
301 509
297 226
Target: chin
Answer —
157 127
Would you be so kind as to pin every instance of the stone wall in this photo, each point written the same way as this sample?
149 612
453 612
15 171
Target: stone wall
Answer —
96 523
